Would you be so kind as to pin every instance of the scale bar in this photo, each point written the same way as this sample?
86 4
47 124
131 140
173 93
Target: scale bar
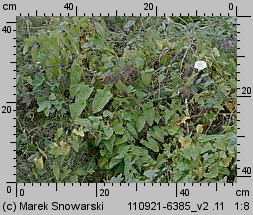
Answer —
244 96
176 189
96 190
244 16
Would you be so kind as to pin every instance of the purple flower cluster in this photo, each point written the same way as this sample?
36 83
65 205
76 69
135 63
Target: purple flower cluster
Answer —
226 44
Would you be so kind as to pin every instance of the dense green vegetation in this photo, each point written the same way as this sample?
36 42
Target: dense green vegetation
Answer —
117 99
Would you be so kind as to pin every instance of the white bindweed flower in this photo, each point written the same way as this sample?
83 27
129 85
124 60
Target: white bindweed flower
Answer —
200 65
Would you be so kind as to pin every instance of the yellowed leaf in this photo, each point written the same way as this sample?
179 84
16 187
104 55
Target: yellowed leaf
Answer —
229 106
216 52
39 163
82 41
200 173
183 121
79 132
64 147
181 140
184 142
199 128
225 162
159 43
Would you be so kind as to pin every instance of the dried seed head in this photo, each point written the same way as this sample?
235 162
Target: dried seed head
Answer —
112 77
130 75
185 92
187 71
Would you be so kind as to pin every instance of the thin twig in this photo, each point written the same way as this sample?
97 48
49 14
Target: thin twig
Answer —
212 122
187 113
27 26
181 65
230 117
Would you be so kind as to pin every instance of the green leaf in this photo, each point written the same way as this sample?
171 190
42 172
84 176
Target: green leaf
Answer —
172 129
74 89
139 62
97 43
167 115
157 133
121 86
107 113
75 143
96 121
98 139
139 151
27 43
220 144
52 97
149 116
122 151
121 140
65 172
151 173
224 171
100 29
73 178
80 102
58 133
80 171
141 95
129 24
102 97
43 104
117 179
140 123
160 78
114 162
152 144
118 127
128 164
55 149
213 171
206 138
84 122
108 132
191 151
56 171
146 76
161 159
131 129
186 152
207 147
42 152
217 105
195 151
75 79
109 144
